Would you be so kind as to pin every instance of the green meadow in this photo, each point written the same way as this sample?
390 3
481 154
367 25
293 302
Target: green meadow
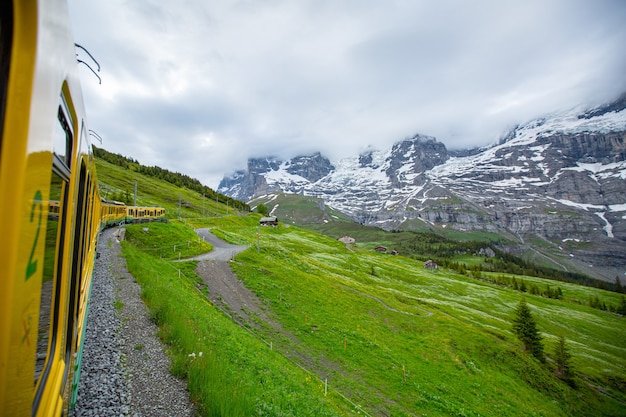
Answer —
363 333
355 332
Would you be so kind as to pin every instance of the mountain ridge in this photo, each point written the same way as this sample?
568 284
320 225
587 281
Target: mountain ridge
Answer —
560 178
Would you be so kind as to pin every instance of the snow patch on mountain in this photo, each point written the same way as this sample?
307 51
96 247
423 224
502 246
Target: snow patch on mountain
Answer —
562 176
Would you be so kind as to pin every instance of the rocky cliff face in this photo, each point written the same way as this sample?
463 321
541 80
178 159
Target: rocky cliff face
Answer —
311 168
560 179
413 156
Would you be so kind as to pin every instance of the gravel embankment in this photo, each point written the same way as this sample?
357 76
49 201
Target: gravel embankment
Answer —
125 370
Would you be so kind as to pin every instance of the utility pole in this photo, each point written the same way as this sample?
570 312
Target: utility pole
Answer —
135 200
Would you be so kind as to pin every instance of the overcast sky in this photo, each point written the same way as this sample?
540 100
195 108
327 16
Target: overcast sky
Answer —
199 86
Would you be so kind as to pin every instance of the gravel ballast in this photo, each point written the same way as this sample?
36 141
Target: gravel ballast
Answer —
125 370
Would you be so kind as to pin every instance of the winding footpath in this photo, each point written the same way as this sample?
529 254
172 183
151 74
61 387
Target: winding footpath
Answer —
222 251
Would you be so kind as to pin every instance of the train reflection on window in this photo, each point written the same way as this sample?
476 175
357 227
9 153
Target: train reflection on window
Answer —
49 307
50 284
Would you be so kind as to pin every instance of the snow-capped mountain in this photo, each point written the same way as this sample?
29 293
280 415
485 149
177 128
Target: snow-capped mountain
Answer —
561 179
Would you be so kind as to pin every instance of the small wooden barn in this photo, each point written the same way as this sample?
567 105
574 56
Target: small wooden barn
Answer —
269 221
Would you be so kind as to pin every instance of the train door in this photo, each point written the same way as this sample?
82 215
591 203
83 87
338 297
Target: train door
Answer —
75 278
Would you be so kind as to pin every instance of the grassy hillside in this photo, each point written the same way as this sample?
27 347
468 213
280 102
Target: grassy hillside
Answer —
455 249
379 334
311 213
402 340
114 180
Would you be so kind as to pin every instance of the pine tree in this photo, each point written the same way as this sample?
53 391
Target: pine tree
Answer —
562 361
525 328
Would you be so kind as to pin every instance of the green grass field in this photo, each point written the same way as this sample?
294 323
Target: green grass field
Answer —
389 337
362 333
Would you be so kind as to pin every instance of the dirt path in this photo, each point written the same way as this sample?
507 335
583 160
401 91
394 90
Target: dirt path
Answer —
231 296
228 293
226 290
222 251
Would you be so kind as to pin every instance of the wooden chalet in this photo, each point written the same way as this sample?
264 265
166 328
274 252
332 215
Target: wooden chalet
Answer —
269 221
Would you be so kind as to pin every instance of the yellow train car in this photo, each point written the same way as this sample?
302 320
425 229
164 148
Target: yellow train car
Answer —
50 210
136 214
49 202
112 213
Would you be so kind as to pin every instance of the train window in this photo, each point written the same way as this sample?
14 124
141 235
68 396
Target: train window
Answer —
6 39
90 204
49 307
62 135
52 272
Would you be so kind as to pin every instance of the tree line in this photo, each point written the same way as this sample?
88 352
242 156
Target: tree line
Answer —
174 178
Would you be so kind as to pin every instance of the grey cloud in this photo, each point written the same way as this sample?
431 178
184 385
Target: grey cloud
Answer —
202 86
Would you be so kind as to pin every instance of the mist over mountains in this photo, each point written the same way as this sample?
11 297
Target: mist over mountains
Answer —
556 185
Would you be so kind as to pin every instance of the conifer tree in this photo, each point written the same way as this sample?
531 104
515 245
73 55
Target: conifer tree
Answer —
525 328
562 361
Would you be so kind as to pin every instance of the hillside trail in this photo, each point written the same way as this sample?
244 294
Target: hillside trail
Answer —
228 293
222 251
